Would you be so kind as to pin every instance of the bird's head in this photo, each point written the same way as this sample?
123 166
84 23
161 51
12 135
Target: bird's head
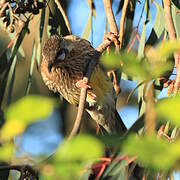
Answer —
54 51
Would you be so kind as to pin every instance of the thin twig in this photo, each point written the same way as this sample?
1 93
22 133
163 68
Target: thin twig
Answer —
123 15
83 95
64 15
114 29
132 43
106 42
172 36
111 20
110 16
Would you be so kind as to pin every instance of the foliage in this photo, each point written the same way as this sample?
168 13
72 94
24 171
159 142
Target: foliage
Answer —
146 60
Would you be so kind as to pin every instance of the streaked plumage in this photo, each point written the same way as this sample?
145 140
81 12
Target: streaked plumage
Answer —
64 63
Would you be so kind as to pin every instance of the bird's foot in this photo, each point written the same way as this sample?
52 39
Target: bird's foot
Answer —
83 83
112 38
92 95
109 40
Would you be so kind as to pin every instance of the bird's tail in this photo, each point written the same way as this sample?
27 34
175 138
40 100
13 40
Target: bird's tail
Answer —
109 120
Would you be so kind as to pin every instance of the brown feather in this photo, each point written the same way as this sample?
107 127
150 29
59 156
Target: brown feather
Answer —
61 75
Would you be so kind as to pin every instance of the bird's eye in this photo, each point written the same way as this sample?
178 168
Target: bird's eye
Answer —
61 55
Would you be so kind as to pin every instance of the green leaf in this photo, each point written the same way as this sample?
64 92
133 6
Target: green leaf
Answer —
81 148
89 25
167 109
86 174
120 170
11 129
41 30
87 28
13 54
30 108
159 24
175 133
165 49
153 153
142 43
42 22
38 54
159 68
176 17
24 112
6 152
111 60
135 67
134 90
131 64
31 68
3 62
11 78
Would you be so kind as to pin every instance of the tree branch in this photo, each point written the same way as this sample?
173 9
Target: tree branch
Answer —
110 16
123 15
150 115
83 95
113 29
172 36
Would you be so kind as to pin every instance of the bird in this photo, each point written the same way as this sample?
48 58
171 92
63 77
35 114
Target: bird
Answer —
64 63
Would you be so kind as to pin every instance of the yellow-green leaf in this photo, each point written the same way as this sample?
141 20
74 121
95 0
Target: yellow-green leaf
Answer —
6 152
167 109
153 153
12 128
159 21
111 60
30 109
81 148
87 29
165 49
142 42
140 68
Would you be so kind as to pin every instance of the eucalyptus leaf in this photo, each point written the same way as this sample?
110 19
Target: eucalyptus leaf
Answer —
87 29
142 42
81 148
6 152
153 153
29 83
159 23
11 78
11 129
168 108
30 109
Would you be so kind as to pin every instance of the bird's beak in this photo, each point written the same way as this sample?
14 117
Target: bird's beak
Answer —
50 66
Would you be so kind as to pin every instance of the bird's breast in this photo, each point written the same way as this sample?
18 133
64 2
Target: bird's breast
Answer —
63 81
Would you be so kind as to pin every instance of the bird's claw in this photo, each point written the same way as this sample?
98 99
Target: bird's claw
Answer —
83 84
112 38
